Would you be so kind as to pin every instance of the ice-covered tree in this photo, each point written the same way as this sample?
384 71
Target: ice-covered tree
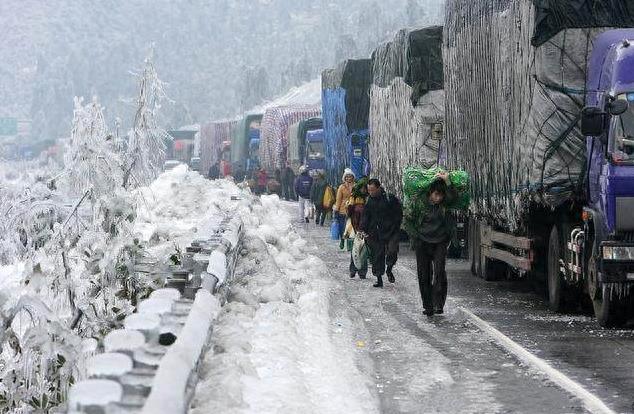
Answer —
92 162
146 140
80 278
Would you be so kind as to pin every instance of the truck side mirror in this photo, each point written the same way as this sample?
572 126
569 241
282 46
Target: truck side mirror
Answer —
592 121
618 107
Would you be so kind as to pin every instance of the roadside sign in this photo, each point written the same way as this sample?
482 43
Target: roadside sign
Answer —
8 126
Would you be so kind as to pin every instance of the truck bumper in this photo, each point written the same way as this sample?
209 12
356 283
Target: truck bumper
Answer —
616 262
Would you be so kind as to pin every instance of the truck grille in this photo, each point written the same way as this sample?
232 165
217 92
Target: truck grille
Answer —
627 236
624 216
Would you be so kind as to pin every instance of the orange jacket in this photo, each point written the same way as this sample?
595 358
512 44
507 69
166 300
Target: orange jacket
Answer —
343 194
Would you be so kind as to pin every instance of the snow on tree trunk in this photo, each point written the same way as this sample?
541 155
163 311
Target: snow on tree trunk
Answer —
146 140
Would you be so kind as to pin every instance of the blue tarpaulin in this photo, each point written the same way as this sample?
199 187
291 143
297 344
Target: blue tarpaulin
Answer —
345 111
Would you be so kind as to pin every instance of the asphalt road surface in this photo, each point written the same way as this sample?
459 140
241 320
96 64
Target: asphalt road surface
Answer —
448 365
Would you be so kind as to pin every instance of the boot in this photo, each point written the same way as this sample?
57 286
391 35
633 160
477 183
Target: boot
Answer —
390 275
379 282
362 276
352 274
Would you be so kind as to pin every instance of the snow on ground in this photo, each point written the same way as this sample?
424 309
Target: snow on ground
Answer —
180 206
272 348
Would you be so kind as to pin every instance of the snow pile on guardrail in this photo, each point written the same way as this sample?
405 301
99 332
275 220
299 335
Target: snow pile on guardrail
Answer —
150 365
273 348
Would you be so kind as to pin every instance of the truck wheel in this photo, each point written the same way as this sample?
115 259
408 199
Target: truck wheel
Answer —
606 306
556 282
491 269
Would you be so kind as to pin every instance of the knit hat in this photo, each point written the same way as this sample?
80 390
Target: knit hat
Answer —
347 171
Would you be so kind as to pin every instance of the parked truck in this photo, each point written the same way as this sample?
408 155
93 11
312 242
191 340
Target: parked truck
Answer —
345 108
314 156
245 142
539 110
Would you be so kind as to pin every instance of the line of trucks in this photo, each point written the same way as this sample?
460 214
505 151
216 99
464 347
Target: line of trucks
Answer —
539 110
535 100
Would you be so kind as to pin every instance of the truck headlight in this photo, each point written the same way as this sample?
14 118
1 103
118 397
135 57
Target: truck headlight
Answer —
618 253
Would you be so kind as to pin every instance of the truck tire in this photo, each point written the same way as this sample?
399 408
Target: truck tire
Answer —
607 307
491 269
556 282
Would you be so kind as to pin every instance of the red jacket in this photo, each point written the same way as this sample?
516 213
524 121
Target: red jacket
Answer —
262 178
226 168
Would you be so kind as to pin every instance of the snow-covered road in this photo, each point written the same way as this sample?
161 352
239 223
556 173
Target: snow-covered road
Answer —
299 336
275 348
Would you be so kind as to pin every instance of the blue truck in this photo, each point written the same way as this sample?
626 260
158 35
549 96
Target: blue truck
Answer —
315 158
542 117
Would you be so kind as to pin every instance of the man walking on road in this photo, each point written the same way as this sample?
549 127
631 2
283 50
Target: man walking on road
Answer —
303 185
430 242
317 197
287 178
381 223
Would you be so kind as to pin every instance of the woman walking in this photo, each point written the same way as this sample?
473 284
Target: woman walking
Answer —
355 206
343 194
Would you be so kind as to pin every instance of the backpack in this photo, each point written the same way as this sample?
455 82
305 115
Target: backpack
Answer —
329 198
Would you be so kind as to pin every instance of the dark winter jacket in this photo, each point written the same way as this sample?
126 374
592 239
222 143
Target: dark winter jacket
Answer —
382 217
303 184
434 224
355 206
214 172
317 192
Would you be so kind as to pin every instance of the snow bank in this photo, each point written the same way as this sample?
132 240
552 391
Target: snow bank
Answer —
181 206
272 350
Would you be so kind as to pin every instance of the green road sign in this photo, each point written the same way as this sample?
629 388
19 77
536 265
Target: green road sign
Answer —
8 126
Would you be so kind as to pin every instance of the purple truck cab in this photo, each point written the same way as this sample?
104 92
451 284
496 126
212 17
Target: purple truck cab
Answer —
608 123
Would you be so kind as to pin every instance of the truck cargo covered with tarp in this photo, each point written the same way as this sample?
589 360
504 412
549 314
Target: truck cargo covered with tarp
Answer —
528 57
275 125
406 104
247 129
212 136
345 104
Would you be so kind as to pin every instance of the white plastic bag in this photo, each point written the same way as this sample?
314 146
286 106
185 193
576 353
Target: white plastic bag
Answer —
359 252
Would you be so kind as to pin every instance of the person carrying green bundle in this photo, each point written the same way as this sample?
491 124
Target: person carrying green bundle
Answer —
430 195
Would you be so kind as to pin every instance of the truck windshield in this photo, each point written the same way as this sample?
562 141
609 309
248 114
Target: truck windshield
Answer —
315 150
622 145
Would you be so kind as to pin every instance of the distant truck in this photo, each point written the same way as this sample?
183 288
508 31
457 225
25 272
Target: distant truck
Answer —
315 158
245 143
540 112
253 160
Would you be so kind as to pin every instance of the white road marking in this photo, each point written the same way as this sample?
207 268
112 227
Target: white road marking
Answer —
590 401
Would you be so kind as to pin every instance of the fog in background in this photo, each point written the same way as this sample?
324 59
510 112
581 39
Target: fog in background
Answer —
219 57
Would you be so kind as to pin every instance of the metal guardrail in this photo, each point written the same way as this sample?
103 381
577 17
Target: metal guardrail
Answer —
150 365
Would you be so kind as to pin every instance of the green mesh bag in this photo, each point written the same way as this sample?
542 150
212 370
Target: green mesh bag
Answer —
417 181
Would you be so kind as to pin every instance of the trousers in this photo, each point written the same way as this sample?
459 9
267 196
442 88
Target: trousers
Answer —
432 277
384 253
